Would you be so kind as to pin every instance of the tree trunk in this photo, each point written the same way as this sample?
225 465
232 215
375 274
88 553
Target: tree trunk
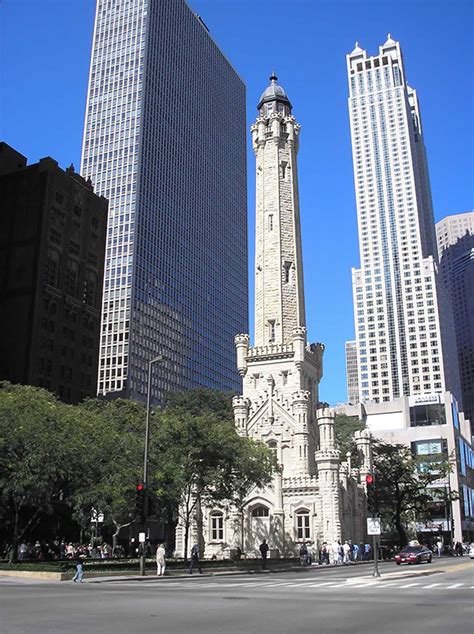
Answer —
199 526
170 529
402 536
118 528
13 557
186 537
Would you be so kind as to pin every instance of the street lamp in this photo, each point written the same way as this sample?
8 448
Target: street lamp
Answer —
159 359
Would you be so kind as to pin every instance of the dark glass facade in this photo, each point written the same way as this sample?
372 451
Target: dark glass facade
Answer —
165 140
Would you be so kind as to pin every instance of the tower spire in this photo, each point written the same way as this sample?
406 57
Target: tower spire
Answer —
279 305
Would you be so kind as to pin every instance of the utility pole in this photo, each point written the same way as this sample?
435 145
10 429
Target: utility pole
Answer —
159 359
372 509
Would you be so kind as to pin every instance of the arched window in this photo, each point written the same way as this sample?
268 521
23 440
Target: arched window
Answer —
260 511
272 444
217 526
302 524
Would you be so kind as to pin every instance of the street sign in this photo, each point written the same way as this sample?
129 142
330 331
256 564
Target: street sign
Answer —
141 538
373 526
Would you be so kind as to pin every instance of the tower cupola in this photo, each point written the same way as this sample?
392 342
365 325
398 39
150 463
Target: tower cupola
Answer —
274 99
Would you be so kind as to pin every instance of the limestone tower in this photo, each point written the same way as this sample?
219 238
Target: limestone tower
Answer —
313 497
279 292
281 372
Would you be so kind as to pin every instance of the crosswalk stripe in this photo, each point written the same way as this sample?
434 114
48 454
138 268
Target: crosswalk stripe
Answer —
454 585
432 585
319 585
409 585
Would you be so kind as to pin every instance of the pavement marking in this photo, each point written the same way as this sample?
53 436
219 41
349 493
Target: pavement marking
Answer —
432 585
454 585
410 585
319 585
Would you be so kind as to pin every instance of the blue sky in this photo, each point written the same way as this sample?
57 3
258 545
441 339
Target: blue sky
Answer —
45 49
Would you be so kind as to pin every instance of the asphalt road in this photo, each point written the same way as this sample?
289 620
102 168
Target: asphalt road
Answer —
327 601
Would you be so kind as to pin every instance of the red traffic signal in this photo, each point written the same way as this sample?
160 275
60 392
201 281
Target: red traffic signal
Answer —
140 487
369 478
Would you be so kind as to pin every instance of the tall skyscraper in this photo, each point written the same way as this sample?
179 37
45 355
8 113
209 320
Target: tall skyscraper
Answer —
455 237
407 356
404 336
164 141
52 244
352 376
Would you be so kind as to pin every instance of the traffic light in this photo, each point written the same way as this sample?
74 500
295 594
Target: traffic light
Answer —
371 502
140 503
452 524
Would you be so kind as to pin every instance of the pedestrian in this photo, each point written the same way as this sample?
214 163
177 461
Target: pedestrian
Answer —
264 552
459 549
347 552
355 552
160 560
22 551
304 554
195 559
79 572
439 547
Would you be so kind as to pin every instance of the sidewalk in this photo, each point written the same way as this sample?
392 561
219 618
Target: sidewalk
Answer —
183 573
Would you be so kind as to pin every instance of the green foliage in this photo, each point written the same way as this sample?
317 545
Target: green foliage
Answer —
404 485
201 401
118 459
344 429
90 457
41 455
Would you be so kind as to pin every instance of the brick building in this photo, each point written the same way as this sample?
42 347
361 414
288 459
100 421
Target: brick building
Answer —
52 243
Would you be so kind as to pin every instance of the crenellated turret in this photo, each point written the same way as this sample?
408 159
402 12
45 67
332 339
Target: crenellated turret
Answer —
363 444
328 464
242 345
240 406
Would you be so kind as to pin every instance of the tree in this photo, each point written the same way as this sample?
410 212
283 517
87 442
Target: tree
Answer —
202 459
344 429
41 457
403 488
200 401
117 446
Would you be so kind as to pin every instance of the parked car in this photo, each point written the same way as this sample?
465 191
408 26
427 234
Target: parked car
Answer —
471 550
414 555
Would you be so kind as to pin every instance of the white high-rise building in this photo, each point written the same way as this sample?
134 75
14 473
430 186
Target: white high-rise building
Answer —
402 323
351 372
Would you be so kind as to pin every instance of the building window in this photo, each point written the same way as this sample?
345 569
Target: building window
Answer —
71 278
260 511
217 527
271 330
302 524
287 272
52 268
270 222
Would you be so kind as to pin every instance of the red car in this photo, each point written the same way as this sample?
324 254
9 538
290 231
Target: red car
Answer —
414 555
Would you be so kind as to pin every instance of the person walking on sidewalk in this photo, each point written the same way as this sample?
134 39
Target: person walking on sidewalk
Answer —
264 552
79 572
195 559
160 560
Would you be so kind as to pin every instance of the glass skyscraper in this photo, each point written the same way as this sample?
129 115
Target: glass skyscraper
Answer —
164 141
404 330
